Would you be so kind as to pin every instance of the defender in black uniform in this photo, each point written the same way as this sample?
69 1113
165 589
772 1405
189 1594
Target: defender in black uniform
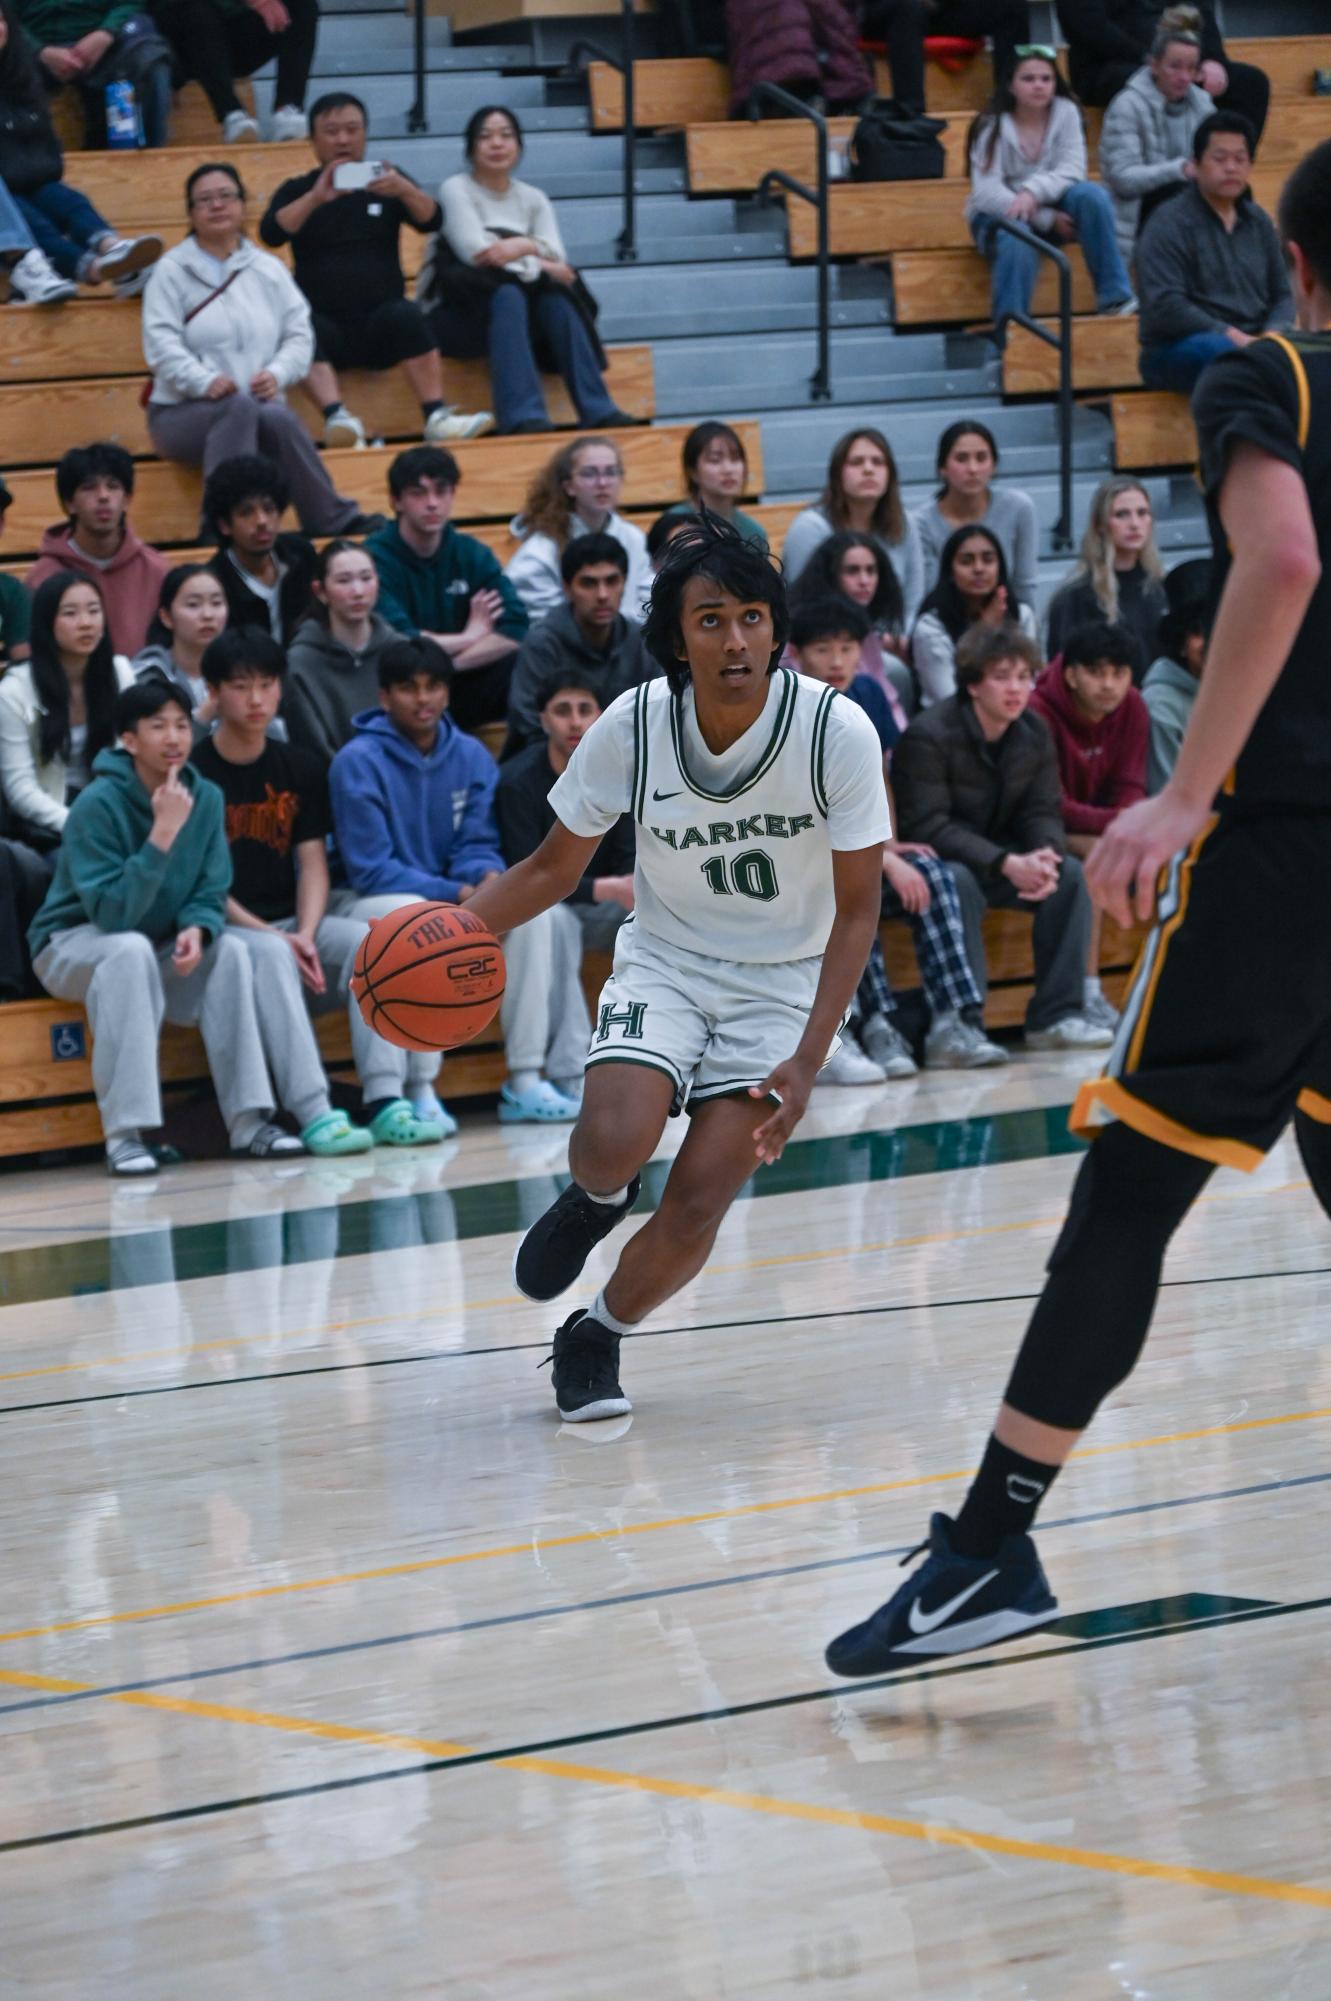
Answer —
1227 1032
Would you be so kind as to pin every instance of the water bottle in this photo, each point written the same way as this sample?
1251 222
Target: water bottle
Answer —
124 126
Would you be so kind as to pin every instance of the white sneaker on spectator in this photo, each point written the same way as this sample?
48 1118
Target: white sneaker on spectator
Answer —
1073 1032
288 123
1125 311
885 1045
238 127
125 256
850 1065
1101 1012
33 281
344 429
444 426
955 1044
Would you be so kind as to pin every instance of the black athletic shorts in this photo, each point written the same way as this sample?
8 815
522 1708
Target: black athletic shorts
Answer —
1227 1028
396 331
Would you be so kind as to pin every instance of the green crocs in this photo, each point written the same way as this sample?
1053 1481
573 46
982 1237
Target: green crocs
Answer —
332 1133
397 1125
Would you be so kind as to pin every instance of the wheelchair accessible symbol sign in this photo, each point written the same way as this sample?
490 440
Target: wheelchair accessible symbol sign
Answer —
68 1042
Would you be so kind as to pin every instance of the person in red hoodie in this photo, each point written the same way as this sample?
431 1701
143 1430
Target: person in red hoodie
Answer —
94 484
1101 729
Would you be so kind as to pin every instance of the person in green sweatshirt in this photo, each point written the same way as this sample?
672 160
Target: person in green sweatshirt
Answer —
133 927
436 583
91 43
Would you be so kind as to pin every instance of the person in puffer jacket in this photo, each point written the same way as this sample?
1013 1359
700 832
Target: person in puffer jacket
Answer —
809 47
1146 139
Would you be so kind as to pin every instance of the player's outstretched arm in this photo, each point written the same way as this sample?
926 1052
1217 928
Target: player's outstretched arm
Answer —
544 879
857 874
1265 511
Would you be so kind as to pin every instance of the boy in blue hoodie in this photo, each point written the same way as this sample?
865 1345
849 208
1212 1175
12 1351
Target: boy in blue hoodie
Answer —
133 926
413 811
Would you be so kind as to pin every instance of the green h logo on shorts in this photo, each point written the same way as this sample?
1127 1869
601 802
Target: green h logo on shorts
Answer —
629 1018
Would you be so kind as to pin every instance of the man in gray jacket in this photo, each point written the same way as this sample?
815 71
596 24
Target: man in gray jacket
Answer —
1146 139
586 635
1211 274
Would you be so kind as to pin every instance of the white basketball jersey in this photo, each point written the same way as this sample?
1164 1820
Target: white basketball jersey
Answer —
734 854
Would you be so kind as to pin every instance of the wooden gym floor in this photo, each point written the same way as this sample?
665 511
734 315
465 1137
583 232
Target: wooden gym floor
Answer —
332 1666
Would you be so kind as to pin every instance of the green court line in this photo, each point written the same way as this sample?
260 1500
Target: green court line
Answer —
456 1215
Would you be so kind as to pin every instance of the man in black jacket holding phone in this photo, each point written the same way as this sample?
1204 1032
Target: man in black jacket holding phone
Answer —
1108 40
342 220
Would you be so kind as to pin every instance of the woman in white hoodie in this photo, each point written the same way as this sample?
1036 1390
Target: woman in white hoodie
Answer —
1146 139
225 333
1028 165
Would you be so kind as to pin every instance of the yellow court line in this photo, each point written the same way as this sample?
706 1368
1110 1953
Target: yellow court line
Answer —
538 1545
932 1833
278 1336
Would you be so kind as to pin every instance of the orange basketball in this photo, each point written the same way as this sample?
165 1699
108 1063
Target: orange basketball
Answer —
428 976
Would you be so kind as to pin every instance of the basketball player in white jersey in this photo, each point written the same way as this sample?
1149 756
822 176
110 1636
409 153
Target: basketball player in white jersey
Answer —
761 816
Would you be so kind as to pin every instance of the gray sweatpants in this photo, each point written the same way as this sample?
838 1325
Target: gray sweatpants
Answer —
128 985
381 1066
423 1065
205 433
544 1012
1061 928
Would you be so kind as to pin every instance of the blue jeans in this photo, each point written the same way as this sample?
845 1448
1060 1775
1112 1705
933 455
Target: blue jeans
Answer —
1178 363
65 225
14 232
514 378
1016 266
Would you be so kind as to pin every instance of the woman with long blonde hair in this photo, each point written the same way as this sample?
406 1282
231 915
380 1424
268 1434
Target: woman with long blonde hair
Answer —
1119 576
576 492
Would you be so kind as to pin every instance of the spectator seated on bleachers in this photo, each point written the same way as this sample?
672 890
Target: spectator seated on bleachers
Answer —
226 332
857 567
547 1028
1099 725
586 637
27 276
1028 165
1210 265
78 242
344 242
825 640
1170 687
716 472
1108 40
277 822
1119 578
863 493
95 484
134 927
576 492
500 284
810 47
902 26
15 608
976 779
266 574
191 612
973 592
445 586
57 711
215 41
333 661
89 44
1146 138
966 460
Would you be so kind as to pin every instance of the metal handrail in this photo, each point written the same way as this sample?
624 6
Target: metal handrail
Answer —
1062 340
416 118
626 243
820 382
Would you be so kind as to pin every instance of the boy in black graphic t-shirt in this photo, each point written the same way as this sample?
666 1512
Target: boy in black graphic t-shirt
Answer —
1226 1036
277 825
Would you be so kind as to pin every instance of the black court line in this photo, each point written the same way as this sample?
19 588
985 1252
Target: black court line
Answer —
423 1356
1241 1613
613 1602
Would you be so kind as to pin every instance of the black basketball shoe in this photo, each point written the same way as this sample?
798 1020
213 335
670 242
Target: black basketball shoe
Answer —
586 1371
559 1243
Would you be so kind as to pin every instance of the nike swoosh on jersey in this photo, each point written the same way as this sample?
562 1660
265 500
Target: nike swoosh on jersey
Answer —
926 1622
666 795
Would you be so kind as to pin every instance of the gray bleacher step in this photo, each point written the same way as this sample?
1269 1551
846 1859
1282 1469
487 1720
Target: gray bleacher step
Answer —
715 374
639 302
430 156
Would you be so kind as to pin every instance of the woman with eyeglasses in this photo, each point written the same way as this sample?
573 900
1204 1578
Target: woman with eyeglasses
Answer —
1028 165
226 333
575 493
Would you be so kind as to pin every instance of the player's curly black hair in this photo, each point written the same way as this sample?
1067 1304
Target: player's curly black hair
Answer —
715 550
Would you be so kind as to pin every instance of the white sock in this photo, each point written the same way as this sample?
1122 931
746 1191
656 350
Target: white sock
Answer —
1090 988
612 1201
522 1081
600 1312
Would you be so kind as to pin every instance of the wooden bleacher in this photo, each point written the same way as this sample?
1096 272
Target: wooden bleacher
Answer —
1104 356
942 287
192 121
1152 429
